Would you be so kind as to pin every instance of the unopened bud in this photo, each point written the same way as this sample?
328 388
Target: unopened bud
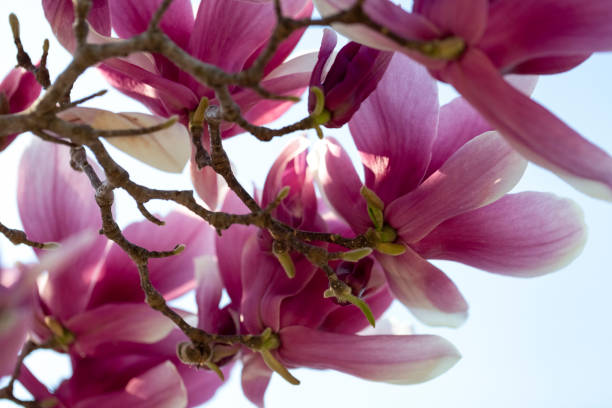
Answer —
51 245
178 249
14 23
284 258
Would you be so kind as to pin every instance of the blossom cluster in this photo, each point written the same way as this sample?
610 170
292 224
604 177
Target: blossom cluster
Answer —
437 186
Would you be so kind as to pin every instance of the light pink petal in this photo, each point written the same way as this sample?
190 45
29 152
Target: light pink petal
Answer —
255 378
410 26
395 128
14 328
530 128
392 359
166 149
229 246
172 276
160 387
519 32
340 184
459 123
479 173
208 292
525 234
131 18
134 322
55 203
464 18
429 294
60 14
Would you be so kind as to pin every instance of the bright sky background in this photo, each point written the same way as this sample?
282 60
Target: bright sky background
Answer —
543 342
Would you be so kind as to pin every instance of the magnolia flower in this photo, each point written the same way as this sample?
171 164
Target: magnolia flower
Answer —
353 75
226 33
18 91
436 189
96 302
321 335
471 44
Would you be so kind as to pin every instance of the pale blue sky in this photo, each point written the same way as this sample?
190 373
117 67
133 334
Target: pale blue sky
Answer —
542 342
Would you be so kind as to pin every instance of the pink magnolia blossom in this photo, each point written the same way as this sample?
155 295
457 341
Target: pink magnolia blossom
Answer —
353 75
442 184
18 91
314 331
481 40
94 306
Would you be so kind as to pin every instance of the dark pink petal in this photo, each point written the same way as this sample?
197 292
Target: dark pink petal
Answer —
525 234
530 128
274 180
549 65
160 387
392 359
395 129
340 184
164 97
464 18
459 123
38 390
229 248
131 18
429 294
479 173
20 89
135 322
328 43
55 203
255 378
519 32
172 276
60 14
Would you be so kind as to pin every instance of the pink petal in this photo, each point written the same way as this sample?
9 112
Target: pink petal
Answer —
134 322
172 276
464 18
351 320
131 18
160 387
392 359
407 25
166 150
55 203
429 294
549 65
246 28
60 14
226 244
532 29
459 123
164 97
255 378
15 326
479 173
526 234
531 129
20 89
395 128
340 184
208 292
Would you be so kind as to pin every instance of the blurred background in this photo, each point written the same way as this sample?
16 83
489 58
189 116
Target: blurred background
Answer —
543 342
